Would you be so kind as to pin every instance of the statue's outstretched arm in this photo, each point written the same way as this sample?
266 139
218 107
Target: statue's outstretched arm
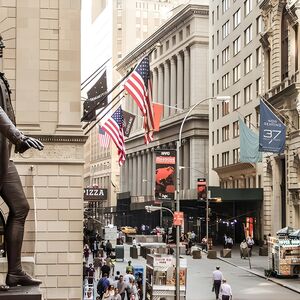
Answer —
22 142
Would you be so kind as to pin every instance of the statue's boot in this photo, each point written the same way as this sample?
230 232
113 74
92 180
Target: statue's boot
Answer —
21 279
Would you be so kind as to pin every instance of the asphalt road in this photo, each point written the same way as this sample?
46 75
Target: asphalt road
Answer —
245 286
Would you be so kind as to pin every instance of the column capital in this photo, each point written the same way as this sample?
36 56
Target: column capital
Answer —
166 64
186 51
179 56
172 60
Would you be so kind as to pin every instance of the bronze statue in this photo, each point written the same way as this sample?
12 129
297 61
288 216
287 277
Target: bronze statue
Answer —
11 189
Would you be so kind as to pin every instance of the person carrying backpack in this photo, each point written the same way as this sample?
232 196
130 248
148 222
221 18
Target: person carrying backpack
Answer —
102 285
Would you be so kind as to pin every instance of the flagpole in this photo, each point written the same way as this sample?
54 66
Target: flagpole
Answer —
103 97
278 112
105 114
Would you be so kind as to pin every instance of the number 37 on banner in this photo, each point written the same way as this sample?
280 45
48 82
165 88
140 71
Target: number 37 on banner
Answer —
271 134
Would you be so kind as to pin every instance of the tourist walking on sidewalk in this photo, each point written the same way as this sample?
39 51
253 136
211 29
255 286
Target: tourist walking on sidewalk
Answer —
250 243
217 279
225 291
121 286
244 249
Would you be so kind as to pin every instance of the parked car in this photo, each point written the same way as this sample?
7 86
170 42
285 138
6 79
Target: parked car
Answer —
128 230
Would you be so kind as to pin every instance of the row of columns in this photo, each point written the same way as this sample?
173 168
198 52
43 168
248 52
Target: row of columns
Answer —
171 82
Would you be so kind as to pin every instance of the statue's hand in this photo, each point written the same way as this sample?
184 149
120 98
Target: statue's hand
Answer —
28 142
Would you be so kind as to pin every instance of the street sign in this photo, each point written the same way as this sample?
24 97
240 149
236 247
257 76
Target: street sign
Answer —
94 194
201 188
178 218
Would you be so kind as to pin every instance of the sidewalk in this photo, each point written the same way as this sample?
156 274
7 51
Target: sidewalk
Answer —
258 265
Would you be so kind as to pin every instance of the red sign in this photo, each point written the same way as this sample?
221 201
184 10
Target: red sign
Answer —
178 218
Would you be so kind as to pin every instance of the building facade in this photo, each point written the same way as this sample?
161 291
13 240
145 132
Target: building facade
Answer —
235 70
42 63
179 73
280 42
112 29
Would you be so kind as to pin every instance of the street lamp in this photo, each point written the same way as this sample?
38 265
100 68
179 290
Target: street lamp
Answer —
178 146
151 208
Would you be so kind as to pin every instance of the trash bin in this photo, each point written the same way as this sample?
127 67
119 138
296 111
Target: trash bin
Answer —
134 252
119 252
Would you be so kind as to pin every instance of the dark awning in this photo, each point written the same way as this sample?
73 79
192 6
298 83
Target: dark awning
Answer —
253 194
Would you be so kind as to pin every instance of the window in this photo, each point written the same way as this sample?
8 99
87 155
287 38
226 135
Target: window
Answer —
213 138
218 112
284 45
213 113
225 30
236 155
236 100
258 56
259 24
248 7
257 118
237 18
213 161
217 62
174 40
212 42
258 86
213 90
225 158
218 12
236 129
248 35
217 86
248 64
180 35
237 46
218 136
225 55
218 35
167 45
225 81
225 133
236 73
213 66
188 30
213 18
225 5
225 108
247 120
248 93
218 160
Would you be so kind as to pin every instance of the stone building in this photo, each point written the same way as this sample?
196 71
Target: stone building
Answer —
280 42
42 63
112 29
179 73
235 70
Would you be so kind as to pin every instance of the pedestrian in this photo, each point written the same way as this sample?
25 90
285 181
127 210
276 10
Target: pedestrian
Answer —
95 248
217 279
102 285
204 243
121 286
134 295
127 279
109 293
90 274
250 243
229 242
134 243
108 248
86 252
105 269
225 241
116 295
97 266
193 236
225 291
244 249
129 268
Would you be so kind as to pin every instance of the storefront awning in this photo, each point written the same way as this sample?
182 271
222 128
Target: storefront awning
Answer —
253 194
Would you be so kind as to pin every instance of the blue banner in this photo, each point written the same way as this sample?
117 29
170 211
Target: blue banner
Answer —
271 131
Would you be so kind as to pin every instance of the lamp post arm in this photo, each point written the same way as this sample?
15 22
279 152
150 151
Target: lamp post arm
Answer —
169 210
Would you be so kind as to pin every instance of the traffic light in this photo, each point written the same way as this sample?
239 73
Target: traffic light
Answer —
201 188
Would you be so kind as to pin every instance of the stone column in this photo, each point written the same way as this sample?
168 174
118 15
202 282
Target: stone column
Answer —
155 85
149 172
134 175
160 84
144 173
173 84
199 71
139 174
179 99
166 90
186 77
152 160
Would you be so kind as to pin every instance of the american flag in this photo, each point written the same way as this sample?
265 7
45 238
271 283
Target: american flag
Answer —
114 128
138 85
104 138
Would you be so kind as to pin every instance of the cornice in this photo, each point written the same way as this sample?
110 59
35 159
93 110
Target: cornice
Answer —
77 139
160 33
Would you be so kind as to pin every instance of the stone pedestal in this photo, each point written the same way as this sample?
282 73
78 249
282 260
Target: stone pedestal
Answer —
212 254
197 254
22 293
226 253
134 252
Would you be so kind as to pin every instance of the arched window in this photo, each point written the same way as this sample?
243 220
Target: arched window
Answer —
284 45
